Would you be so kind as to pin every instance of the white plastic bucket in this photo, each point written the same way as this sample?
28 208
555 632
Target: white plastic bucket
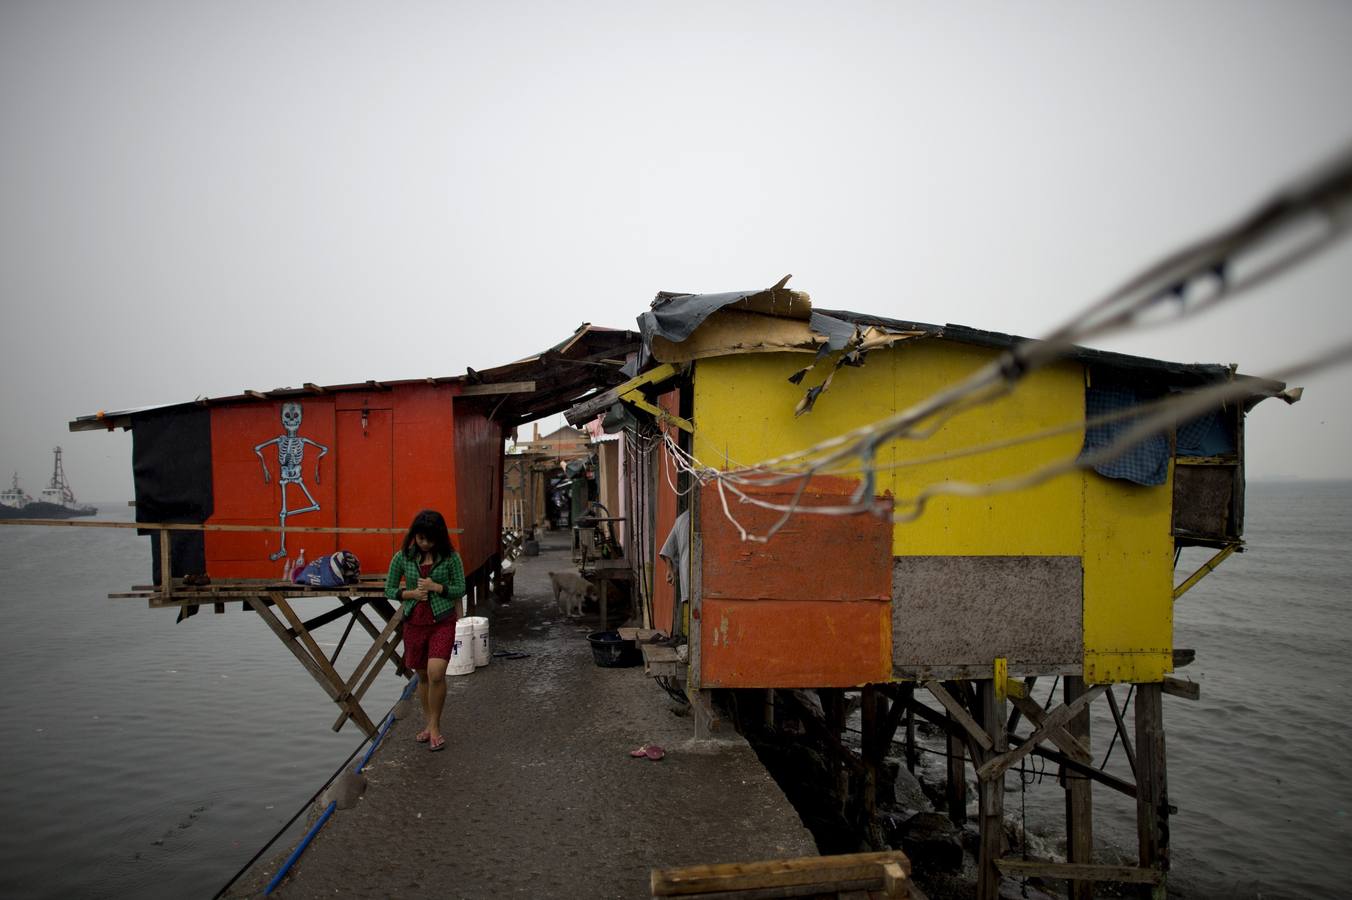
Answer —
462 651
481 645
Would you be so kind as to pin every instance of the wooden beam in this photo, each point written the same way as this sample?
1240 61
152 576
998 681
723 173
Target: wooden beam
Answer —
1207 568
959 714
997 766
504 387
992 823
1104 778
1122 734
588 409
1152 793
1071 746
1037 868
1175 687
1079 797
810 871
342 693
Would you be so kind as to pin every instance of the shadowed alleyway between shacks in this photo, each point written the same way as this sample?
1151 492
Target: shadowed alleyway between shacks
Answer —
536 794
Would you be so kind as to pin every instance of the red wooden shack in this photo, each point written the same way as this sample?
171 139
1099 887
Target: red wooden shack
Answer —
362 455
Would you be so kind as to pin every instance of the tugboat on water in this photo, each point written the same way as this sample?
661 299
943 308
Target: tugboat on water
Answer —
55 501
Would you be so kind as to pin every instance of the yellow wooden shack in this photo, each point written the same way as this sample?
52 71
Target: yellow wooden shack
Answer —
939 559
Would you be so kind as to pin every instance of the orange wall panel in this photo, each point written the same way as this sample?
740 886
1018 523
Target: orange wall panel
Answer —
813 556
366 484
794 643
810 608
423 454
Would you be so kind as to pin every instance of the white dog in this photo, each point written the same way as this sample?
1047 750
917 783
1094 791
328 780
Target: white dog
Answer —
570 589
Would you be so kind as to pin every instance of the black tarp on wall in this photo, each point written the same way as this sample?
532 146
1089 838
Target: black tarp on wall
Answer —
171 466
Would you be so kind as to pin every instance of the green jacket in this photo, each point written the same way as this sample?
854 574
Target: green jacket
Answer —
448 572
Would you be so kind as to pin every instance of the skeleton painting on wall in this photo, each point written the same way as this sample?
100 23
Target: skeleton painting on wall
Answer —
290 461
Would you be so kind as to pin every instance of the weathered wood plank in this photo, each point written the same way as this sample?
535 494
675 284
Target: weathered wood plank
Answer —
1057 718
504 387
992 787
1176 687
778 873
959 714
1037 868
1122 734
343 696
1059 736
1079 796
1152 794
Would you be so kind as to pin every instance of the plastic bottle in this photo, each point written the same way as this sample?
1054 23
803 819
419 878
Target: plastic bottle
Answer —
300 565
287 569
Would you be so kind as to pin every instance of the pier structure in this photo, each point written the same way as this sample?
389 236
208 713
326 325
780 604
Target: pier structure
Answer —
537 793
937 570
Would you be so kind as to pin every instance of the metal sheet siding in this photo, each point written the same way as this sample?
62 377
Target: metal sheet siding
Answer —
810 608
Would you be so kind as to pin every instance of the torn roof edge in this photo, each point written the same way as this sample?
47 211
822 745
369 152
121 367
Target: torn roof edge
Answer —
627 342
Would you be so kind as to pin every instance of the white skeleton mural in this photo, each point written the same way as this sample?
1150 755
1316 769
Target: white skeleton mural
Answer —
290 457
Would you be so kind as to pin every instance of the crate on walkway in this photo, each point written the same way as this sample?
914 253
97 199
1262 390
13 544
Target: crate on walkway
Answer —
853 875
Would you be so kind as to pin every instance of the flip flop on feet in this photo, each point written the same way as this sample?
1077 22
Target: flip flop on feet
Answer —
423 736
437 742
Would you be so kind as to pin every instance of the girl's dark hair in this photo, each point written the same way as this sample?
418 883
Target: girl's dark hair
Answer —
430 524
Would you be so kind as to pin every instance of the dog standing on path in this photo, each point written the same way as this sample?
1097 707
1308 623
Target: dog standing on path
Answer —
570 589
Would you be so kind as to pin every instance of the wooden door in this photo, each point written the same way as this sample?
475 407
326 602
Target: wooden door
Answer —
366 484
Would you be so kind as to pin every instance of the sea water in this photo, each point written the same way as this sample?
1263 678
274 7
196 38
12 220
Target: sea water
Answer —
145 757
150 758
1256 767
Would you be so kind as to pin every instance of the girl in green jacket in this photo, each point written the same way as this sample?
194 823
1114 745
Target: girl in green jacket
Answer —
434 579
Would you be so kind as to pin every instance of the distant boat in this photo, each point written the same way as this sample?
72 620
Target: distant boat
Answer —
55 501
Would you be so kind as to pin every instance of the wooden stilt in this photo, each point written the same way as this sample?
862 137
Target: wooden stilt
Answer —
912 757
992 787
956 789
1079 797
869 724
1152 796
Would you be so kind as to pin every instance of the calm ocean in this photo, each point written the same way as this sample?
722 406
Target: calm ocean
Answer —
151 759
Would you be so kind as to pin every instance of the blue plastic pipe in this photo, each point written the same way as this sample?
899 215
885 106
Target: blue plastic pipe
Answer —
380 735
300 848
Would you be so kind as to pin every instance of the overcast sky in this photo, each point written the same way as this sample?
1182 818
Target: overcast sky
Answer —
196 199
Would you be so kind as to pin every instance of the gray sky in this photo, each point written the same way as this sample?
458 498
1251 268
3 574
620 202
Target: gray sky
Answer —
201 198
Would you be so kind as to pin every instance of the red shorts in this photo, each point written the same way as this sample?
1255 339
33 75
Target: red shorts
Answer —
428 641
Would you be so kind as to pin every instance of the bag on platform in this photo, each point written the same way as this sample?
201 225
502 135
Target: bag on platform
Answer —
331 571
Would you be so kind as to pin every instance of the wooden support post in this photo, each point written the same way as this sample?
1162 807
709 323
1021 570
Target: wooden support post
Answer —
912 758
166 565
992 787
1079 796
870 743
1152 795
956 789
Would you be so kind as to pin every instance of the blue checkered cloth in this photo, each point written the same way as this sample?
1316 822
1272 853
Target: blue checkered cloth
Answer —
1146 462
1207 435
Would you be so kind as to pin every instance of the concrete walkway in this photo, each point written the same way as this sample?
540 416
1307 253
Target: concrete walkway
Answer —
536 794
